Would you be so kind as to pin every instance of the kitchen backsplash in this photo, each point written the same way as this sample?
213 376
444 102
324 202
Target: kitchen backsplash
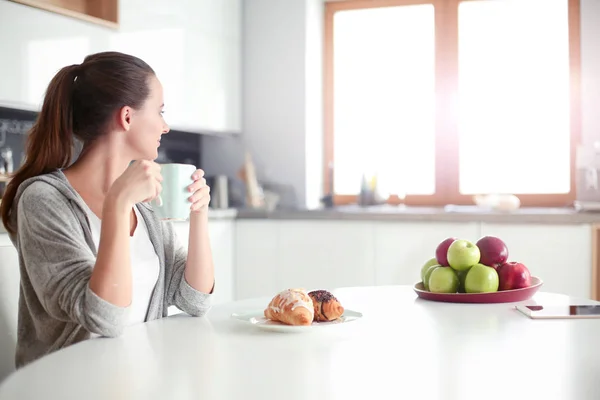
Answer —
224 155
176 146
14 124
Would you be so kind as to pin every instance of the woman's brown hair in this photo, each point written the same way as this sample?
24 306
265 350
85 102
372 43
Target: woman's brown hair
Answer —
79 103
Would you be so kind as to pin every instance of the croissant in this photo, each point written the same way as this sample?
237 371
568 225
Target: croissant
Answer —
327 307
292 307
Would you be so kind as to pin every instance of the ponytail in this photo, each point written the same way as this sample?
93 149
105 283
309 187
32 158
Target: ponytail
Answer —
50 140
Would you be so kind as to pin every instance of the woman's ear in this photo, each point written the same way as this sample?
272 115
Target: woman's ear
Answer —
124 118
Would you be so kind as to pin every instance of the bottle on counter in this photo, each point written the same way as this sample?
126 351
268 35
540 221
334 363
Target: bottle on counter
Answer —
6 157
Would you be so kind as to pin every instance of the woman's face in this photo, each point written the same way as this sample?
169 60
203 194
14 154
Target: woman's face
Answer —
147 125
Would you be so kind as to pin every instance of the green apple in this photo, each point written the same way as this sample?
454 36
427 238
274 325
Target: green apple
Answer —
463 254
462 275
481 279
426 266
443 280
428 275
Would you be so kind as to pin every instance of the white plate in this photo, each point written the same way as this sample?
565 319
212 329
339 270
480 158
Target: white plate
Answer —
257 318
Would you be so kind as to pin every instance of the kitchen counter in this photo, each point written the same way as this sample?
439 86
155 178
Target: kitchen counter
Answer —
415 214
430 214
229 213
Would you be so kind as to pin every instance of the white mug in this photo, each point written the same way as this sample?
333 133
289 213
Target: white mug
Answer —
173 202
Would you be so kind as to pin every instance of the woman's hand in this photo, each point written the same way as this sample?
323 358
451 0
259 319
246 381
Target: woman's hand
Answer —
200 197
141 182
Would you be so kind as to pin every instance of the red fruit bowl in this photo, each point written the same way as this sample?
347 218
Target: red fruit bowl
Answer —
504 296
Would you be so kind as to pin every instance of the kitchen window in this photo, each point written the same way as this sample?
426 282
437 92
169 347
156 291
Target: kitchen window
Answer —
446 99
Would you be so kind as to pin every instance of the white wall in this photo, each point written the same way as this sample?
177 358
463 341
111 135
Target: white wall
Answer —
282 91
314 102
590 70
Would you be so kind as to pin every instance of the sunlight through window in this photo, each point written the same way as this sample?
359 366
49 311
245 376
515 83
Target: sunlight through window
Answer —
514 97
384 116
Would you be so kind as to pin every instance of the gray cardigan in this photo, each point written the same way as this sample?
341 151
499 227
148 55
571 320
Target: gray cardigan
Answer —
56 257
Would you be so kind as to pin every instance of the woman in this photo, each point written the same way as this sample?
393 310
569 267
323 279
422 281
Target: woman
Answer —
93 256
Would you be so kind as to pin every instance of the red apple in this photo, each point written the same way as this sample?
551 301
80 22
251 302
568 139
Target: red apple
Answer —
493 251
513 275
441 252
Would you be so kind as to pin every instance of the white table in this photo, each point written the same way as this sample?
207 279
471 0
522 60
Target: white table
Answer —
403 347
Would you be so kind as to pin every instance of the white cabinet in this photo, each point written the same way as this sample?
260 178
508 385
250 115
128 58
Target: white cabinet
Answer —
272 255
213 56
221 232
257 258
35 45
275 255
212 99
401 248
5 240
561 255
326 254
194 46
9 301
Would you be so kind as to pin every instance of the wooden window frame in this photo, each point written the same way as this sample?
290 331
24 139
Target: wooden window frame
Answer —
446 81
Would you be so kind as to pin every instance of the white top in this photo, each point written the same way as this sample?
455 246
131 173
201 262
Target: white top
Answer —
402 348
145 265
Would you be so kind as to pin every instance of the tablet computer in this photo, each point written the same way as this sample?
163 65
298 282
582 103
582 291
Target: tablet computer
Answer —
560 311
